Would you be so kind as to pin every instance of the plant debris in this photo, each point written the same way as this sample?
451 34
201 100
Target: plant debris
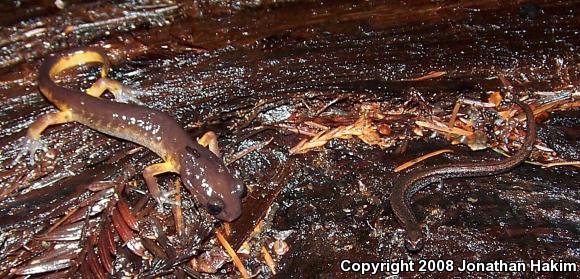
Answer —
314 112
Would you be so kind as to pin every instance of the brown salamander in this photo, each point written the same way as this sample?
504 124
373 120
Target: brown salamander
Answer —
201 171
405 188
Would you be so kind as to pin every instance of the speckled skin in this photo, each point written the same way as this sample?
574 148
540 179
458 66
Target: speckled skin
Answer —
201 171
405 188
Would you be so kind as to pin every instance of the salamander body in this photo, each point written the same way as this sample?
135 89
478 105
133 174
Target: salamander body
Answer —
201 171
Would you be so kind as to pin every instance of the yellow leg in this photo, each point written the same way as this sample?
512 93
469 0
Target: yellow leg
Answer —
52 118
209 140
149 174
122 93
32 141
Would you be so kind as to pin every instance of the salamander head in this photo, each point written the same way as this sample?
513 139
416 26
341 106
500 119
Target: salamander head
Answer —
414 239
204 174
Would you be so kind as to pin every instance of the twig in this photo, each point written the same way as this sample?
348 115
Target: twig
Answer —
476 103
329 105
269 260
57 224
247 151
453 117
237 262
421 158
295 130
122 20
443 128
24 36
430 75
315 125
178 213
557 164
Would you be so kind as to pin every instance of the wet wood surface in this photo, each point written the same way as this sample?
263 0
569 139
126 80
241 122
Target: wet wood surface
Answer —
241 71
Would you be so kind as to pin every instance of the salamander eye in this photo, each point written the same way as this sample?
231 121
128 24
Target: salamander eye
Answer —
240 190
215 207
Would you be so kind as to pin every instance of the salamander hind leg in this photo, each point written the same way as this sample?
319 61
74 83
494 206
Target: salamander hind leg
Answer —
123 94
32 142
149 174
209 140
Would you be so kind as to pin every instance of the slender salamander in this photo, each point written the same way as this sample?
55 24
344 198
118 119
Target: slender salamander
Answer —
405 188
201 171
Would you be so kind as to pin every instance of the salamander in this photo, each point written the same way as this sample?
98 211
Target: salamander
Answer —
415 181
202 172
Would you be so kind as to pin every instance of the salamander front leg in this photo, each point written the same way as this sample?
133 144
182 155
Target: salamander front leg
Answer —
209 140
32 142
122 93
149 174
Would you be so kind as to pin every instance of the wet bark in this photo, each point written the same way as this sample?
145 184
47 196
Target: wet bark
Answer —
239 70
